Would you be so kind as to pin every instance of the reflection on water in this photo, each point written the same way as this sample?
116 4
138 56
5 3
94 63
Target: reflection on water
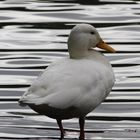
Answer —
33 33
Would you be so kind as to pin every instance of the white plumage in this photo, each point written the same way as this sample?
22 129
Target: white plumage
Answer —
73 87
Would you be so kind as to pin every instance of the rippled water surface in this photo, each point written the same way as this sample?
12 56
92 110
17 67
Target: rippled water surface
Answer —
33 33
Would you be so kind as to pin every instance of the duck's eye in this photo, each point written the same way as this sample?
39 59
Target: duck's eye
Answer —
92 33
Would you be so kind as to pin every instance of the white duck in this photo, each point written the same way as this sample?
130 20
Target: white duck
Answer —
73 87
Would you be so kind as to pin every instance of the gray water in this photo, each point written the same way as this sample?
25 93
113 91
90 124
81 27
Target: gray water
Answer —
33 34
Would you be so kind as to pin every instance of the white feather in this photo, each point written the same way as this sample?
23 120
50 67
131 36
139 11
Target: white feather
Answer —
70 82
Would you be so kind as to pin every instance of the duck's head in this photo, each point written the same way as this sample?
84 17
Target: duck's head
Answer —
83 38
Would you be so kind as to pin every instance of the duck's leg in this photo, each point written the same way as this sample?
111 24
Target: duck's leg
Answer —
81 124
59 122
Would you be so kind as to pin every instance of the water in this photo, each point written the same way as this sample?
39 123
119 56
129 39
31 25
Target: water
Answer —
33 33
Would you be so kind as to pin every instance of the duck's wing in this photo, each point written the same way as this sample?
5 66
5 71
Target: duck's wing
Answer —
69 83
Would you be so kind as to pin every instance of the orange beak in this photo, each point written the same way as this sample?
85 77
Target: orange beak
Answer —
104 46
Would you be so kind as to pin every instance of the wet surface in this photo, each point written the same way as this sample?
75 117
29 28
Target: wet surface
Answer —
33 33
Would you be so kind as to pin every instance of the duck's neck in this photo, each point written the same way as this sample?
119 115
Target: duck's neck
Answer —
76 47
77 50
77 53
